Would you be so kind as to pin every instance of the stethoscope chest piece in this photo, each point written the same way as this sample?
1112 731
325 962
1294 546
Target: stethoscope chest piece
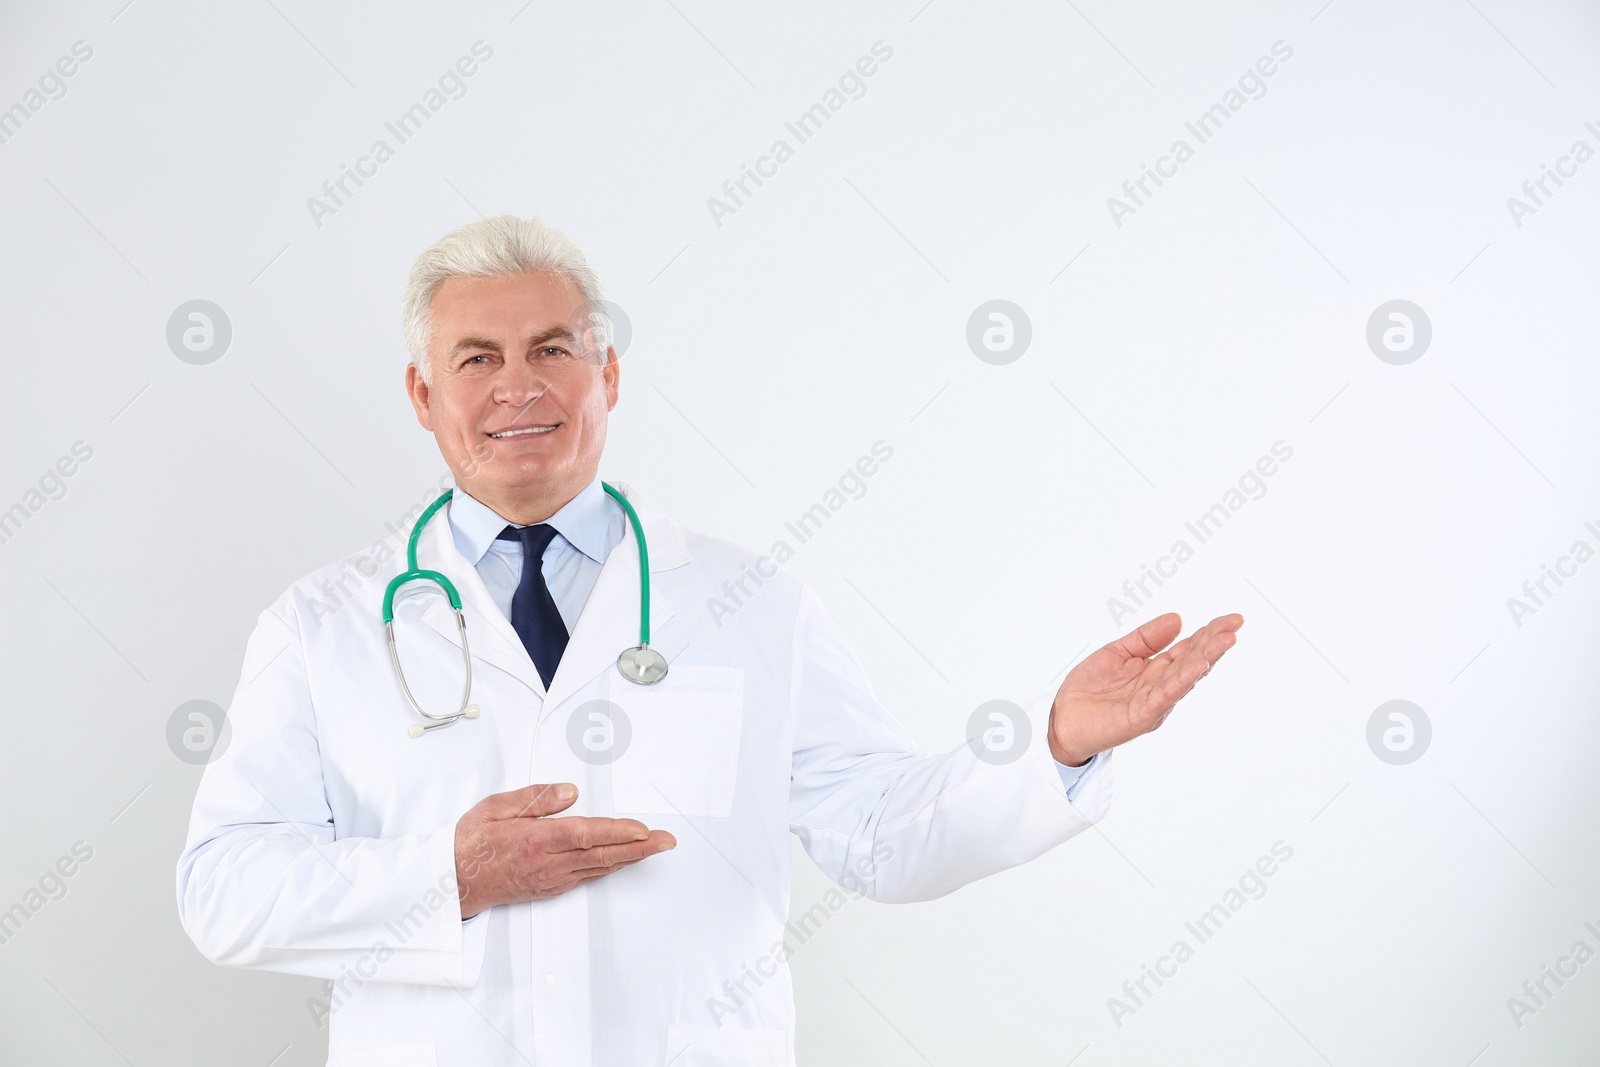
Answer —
642 664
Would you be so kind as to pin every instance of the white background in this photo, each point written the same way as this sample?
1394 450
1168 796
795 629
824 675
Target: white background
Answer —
768 354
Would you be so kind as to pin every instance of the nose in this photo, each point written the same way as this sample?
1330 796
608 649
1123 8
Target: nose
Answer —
520 384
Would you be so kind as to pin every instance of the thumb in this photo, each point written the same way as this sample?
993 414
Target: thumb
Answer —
531 801
1151 637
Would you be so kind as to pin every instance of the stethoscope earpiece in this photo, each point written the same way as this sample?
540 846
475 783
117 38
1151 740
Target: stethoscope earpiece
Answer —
417 729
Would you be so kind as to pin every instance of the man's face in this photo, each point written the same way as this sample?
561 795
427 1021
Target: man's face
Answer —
516 354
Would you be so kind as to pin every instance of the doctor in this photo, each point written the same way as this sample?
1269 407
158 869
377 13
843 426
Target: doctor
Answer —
570 866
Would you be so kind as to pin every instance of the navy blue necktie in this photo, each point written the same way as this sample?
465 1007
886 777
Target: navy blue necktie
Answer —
534 614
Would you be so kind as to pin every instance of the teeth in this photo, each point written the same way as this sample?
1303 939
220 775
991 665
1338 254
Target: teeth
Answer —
518 433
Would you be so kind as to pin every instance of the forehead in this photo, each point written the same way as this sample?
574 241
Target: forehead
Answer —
516 305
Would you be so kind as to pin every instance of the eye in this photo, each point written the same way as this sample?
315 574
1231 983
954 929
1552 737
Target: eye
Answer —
553 352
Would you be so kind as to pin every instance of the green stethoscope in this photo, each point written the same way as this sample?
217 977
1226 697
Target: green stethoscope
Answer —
640 664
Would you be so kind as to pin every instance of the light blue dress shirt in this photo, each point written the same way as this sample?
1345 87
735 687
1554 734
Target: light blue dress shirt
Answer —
588 527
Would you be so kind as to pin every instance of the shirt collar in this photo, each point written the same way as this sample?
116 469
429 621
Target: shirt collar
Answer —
584 521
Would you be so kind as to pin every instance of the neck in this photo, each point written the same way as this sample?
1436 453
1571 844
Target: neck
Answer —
525 505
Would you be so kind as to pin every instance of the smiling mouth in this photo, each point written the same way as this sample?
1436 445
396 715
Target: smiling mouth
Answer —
523 431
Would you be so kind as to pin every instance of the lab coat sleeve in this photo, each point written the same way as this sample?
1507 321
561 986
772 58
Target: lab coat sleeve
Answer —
266 882
883 818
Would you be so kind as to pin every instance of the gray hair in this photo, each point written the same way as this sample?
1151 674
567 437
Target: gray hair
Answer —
497 247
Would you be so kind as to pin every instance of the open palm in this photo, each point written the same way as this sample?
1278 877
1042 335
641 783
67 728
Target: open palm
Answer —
1130 686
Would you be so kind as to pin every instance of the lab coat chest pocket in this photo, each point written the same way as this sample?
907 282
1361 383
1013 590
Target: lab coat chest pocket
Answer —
682 757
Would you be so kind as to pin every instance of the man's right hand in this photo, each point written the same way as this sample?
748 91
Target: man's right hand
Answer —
509 849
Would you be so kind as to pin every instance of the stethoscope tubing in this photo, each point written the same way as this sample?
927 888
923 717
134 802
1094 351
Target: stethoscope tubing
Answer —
630 667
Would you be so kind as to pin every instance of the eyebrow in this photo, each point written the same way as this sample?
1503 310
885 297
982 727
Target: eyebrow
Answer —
549 333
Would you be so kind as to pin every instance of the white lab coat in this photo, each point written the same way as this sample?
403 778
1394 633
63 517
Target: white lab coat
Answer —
322 837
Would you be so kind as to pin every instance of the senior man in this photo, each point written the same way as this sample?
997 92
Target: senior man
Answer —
559 860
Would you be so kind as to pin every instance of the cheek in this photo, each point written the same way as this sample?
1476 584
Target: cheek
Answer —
599 412
461 407
588 407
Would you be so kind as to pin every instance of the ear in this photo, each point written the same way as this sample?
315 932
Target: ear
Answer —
613 376
418 391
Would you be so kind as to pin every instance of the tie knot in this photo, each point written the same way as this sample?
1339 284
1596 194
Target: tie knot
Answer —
535 539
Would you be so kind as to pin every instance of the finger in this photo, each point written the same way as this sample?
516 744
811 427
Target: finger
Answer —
1151 637
1203 638
573 883
585 875
606 868
534 801
1175 684
1177 651
577 832
1183 648
602 856
1214 648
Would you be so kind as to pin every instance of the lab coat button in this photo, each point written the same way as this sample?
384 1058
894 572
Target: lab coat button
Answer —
549 979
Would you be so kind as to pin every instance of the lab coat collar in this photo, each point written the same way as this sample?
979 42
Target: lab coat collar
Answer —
608 623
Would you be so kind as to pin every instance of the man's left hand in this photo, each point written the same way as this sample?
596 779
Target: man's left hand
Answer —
1127 689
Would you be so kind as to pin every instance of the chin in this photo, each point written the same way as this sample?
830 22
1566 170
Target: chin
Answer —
531 473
